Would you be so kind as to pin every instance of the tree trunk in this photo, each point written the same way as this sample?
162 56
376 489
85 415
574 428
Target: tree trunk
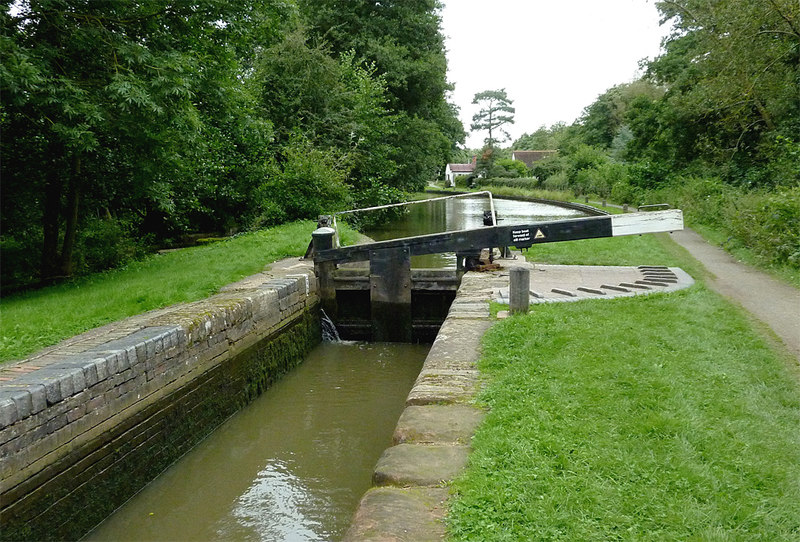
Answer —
71 228
50 220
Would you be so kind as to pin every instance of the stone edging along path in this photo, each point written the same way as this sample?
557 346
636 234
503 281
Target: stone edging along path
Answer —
431 441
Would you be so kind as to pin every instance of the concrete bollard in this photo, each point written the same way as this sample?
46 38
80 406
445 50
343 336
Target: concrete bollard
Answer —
519 289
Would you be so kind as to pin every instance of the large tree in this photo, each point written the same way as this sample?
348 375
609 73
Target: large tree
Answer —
732 74
121 108
494 113
403 40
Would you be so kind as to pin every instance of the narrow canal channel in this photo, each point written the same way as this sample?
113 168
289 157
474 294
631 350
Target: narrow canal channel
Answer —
293 465
290 466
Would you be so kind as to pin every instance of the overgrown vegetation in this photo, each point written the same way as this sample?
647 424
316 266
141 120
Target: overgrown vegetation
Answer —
712 128
127 125
660 417
36 319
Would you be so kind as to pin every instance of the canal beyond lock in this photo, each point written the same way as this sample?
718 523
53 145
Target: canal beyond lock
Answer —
292 465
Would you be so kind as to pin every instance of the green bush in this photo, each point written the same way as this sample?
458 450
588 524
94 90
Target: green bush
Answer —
622 191
466 181
20 257
558 181
307 183
765 222
528 183
586 157
511 168
768 223
547 167
106 243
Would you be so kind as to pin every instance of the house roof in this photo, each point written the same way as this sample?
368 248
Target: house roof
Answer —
462 168
529 157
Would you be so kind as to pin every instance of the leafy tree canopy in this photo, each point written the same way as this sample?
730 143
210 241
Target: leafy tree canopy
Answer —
141 120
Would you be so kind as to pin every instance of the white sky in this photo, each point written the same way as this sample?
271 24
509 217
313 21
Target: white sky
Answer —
553 57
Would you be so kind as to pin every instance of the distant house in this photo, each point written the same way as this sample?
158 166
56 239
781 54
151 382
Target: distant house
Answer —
529 157
456 170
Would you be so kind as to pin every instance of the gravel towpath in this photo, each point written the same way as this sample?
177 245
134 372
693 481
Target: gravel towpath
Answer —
775 303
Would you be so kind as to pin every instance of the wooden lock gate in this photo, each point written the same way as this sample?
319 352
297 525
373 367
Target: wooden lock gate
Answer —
390 261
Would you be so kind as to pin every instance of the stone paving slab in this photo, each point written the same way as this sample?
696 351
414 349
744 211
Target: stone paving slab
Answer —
390 514
457 345
559 283
442 424
444 387
417 465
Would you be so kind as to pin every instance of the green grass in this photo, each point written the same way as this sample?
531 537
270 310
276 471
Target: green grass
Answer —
661 417
40 318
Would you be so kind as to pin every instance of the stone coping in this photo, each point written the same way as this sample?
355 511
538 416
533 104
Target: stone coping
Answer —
432 438
433 435
58 396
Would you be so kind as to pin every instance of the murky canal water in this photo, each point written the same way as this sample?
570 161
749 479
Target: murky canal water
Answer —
460 214
293 465
290 466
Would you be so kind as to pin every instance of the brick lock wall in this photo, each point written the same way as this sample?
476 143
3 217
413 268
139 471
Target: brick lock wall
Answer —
85 425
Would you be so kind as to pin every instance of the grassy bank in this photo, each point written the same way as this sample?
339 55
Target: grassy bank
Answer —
43 317
662 417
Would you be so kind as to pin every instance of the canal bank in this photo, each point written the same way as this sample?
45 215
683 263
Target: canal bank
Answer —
86 424
89 422
431 442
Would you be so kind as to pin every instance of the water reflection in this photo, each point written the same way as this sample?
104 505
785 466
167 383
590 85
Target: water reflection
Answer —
290 466
290 507
461 214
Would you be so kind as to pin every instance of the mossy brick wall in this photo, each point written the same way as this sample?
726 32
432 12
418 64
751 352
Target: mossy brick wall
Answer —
92 423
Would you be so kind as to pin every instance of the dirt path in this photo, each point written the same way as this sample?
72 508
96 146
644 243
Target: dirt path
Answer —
775 303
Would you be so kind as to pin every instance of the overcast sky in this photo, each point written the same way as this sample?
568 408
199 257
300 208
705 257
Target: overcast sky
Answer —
552 57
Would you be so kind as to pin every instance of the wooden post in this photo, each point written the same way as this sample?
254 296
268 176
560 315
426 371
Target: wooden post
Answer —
519 287
323 239
390 294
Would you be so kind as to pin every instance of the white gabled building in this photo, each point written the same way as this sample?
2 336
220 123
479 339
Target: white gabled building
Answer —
456 170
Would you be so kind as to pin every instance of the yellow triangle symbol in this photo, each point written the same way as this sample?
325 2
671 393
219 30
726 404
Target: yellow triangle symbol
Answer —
539 234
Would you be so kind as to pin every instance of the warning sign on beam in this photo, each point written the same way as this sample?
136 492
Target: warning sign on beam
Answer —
521 235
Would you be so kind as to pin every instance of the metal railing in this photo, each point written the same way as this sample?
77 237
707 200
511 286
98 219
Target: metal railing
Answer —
390 205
